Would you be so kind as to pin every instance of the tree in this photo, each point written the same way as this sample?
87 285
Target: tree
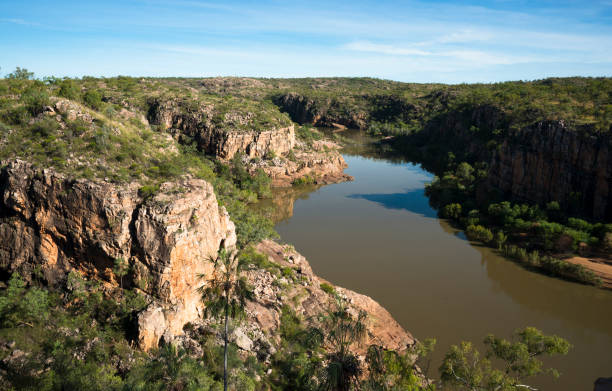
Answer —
121 269
465 369
342 330
226 292
20 74
390 370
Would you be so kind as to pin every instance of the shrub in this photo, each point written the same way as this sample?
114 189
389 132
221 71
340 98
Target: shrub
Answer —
68 89
328 288
452 211
304 180
93 99
499 239
148 191
480 233
579 224
35 100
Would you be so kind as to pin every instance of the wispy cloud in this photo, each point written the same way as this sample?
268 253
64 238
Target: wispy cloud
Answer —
19 22
365 46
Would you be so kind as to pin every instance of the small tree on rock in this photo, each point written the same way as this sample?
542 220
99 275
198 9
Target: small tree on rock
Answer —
225 293
121 269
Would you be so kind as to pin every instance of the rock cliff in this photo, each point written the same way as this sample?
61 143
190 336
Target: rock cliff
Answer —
298 288
548 161
201 123
52 225
304 110
320 162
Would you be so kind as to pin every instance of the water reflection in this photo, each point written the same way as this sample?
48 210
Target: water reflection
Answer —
378 235
412 201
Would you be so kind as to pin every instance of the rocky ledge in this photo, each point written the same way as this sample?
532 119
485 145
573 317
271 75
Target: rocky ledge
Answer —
223 134
318 163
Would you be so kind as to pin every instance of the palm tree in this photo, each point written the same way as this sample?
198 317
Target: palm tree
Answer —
225 292
342 330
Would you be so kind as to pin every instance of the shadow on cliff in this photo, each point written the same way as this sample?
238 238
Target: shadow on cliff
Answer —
412 201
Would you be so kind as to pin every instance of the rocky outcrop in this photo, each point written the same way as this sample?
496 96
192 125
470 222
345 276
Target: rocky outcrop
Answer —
53 225
288 281
320 163
310 300
547 161
304 110
199 123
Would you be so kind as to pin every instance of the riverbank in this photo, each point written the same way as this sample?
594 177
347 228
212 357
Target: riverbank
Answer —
379 235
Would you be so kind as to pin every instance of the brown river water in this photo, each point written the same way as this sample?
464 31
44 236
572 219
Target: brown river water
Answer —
379 236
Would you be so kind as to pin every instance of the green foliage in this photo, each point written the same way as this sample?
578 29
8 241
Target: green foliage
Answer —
389 370
69 341
328 288
170 369
341 331
121 269
35 98
480 233
452 211
226 292
20 74
298 363
21 306
304 181
93 99
148 191
308 134
68 89
464 368
552 266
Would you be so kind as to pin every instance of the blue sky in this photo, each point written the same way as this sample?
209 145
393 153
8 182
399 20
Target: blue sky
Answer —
419 41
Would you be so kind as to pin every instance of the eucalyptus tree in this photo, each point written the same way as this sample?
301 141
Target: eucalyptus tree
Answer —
463 367
225 292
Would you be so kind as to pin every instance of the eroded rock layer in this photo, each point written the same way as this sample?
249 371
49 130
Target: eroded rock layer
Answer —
198 123
52 225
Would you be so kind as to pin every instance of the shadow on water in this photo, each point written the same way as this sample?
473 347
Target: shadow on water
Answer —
412 201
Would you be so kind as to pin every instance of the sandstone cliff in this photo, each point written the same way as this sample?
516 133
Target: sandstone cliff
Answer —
304 110
538 163
320 162
237 133
547 161
52 224
300 289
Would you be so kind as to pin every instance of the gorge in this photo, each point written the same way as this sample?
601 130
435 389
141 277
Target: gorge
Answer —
118 193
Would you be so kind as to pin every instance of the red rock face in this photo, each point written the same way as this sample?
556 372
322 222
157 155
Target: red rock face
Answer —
224 144
58 225
549 162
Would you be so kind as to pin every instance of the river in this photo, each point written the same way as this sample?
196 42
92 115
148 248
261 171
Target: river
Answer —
379 236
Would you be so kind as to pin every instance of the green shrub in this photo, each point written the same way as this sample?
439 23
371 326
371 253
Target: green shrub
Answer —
93 99
452 211
499 239
328 288
68 89
304 180
148 191
35 99
480 233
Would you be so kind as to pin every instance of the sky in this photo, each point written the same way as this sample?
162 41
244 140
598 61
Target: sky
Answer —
414 41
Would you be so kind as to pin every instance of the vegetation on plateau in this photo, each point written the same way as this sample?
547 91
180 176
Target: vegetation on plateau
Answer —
81 335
